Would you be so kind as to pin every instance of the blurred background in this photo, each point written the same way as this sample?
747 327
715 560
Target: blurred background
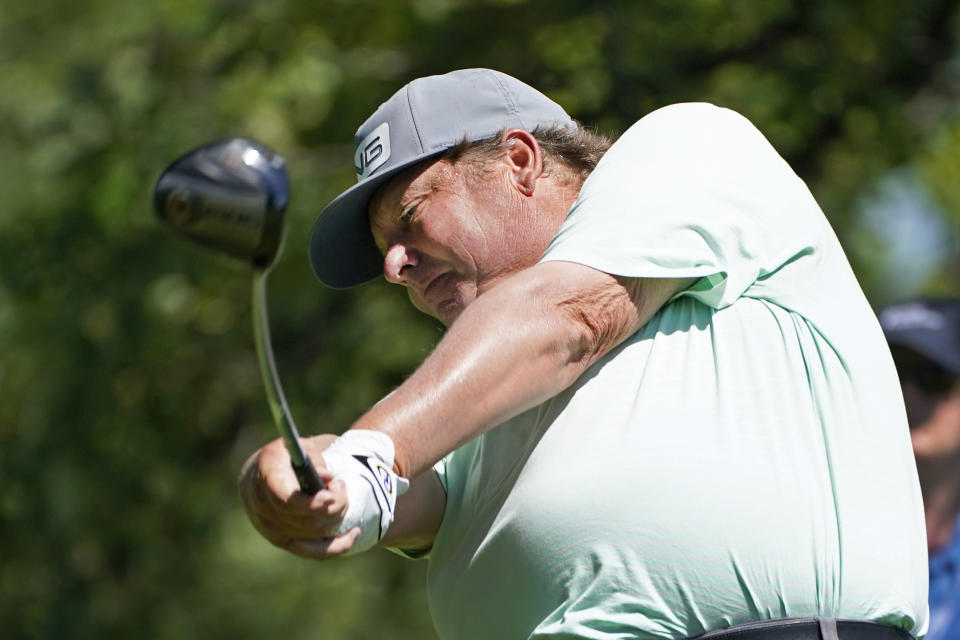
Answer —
129 389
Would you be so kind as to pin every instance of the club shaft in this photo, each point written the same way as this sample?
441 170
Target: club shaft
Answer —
310 482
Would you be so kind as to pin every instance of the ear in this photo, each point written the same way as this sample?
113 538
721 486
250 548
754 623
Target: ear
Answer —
524 159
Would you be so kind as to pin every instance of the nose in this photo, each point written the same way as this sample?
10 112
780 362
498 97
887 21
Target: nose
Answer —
397 262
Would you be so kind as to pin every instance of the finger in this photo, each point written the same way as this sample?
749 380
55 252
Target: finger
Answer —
322 470
316 528
276 472
258 495
260 505
273 461
280 481
277 508
302 515
332 501
292 498
324 548
316 459
315 445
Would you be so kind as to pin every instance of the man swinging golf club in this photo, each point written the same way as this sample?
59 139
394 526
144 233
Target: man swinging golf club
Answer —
663 407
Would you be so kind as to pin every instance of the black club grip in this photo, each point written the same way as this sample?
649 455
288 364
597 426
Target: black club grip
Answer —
310 482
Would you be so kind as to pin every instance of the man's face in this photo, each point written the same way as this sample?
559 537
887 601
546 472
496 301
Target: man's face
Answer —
932 398
448 236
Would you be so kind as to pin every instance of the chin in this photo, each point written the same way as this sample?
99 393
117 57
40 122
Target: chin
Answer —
445 312
448 312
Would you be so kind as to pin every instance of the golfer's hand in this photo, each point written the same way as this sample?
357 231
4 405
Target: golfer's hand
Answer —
301 524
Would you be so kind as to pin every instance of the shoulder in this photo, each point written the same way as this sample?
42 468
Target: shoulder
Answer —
688 122
693 110
696 138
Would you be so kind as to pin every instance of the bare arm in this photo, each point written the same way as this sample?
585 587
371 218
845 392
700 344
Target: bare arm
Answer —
514 347
419 512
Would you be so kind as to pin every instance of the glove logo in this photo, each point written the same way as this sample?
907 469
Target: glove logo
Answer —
383 477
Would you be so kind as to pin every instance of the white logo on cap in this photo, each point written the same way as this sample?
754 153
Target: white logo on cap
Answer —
372 151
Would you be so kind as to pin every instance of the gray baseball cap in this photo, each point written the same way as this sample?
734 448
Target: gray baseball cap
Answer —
423 119
929 327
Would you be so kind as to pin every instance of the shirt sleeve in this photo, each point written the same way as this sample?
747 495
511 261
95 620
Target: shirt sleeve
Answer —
691 190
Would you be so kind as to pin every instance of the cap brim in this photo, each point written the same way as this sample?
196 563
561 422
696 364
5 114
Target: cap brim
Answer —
342 251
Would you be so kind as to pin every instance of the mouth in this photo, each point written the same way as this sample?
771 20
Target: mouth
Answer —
438 299
433 286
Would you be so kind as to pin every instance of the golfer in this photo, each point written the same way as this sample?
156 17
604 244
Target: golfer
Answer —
662 408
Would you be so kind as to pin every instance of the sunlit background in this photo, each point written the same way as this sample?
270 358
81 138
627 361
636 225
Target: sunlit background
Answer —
129 390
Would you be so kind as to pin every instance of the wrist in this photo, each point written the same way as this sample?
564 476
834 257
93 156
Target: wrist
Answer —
364 461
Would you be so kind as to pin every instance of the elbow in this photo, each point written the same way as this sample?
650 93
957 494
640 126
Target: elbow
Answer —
596 323
575 315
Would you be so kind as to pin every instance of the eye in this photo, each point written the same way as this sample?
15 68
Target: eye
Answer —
407 216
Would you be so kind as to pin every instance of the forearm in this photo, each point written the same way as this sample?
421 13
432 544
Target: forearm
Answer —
418 515
516 346
504 354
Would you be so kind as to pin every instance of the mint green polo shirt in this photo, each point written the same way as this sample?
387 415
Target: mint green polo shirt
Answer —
743 456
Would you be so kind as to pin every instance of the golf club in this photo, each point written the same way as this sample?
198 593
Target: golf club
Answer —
230 196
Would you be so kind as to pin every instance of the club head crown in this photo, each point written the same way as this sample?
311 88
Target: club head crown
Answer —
228 195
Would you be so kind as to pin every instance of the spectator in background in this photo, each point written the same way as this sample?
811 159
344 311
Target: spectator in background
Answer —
924 338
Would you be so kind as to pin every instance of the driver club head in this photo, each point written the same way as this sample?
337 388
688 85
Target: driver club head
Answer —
229 196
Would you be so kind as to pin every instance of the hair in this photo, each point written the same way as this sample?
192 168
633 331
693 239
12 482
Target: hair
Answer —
575 150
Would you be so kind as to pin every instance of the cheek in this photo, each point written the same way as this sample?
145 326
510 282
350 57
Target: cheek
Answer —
461 246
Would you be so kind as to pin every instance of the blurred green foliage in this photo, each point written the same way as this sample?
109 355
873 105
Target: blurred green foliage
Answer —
130 393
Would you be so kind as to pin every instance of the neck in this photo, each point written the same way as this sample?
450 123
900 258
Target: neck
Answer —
554 199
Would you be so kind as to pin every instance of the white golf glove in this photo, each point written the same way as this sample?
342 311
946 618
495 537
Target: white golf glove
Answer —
363 460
